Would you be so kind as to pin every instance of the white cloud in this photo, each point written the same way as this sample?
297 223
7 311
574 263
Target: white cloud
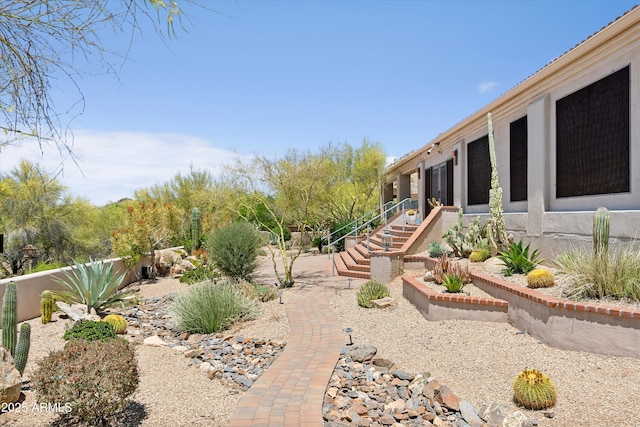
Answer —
486 87
112 165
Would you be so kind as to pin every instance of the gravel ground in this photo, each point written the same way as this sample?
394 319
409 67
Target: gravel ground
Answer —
170 392
480 360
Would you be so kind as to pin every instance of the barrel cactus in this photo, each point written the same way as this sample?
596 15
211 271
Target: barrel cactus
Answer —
540 278
534 390
118 322
47 306
479 255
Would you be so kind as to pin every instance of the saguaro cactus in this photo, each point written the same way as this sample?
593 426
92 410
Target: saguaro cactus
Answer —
9 312
22 348
601 233
195 228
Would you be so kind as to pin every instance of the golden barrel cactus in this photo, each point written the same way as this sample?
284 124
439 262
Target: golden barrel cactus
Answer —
540 278
118 322
534 390
479 255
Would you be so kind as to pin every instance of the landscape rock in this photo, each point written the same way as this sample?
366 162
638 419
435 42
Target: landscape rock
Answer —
363 352
155 341
385 302
77 311
10 377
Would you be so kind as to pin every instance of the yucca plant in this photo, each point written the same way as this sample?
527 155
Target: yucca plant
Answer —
517 259
94 285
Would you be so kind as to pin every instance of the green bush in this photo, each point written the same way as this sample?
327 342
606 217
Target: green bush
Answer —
517 259
589 277
94 285
44 266
370 291
437 249
202 273
90 330
264 293
339 230
91 379
206 308
233 249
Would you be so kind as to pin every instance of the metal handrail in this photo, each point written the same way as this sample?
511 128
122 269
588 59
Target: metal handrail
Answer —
383 211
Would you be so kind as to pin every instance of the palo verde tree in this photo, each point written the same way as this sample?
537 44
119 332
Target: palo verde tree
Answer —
44 41
149 226
281 193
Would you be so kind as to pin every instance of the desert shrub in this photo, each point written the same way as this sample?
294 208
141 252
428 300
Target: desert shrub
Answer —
94 285
517 259
264 293
617 275
93 378
45 266
437 249
370 291
206 308
339 230
202 273
233 248
90 330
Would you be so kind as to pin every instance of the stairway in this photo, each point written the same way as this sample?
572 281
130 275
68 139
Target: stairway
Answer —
355 261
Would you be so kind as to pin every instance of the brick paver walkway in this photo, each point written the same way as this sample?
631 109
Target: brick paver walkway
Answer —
291 391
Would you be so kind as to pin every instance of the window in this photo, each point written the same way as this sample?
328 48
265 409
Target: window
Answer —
592 138
518 159
478 171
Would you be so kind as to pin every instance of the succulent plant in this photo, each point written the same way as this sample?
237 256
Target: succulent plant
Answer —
9 313
601 232
437 249
118 322
540 278
47 306
517 259
22 348
370 291
534 390
479 255
463 243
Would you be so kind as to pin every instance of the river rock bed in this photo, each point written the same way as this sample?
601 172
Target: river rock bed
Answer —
367 391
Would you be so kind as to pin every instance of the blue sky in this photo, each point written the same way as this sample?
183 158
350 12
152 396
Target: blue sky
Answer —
263 76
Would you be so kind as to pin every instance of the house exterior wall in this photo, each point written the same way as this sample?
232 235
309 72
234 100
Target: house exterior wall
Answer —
546 220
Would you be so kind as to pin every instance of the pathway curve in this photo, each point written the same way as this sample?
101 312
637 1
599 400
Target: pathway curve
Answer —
292 390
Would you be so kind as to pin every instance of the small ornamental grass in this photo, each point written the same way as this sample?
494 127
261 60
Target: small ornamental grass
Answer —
370 291
206 308
93 378
437 249
614 275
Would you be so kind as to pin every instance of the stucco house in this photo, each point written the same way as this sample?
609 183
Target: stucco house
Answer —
567 142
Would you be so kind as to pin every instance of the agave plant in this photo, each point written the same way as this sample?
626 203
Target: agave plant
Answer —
517 259
94 285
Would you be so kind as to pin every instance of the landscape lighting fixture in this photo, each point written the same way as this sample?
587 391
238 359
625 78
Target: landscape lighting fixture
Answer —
386 239
280 295
348 331
349 280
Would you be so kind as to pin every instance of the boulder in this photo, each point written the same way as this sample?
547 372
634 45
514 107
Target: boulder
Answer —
77 311
155 341
11 379
363 352
165 259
